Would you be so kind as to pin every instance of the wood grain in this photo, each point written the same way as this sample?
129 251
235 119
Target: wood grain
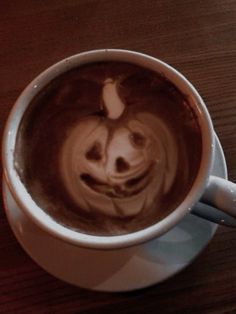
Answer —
196 37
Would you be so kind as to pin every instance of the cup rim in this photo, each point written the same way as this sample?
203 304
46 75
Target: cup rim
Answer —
41 218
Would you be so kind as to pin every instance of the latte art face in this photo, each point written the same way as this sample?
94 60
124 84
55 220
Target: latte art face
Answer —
109 148
119 171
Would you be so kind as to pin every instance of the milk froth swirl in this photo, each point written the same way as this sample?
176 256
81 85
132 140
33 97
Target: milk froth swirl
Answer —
118 171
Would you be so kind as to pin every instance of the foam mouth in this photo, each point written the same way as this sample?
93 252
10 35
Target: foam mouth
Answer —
130 187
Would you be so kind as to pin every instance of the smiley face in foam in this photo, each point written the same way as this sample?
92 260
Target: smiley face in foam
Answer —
118 164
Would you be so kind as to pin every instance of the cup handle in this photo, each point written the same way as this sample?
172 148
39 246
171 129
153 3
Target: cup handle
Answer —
218 203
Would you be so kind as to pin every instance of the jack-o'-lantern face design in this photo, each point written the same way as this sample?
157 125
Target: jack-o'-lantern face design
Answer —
118 169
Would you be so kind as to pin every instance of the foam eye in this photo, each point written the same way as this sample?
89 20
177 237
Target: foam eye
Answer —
138 139
94 153
121 165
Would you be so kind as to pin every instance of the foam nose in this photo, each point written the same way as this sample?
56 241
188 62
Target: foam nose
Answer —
121 165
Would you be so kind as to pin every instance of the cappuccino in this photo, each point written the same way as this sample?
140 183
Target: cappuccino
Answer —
109 148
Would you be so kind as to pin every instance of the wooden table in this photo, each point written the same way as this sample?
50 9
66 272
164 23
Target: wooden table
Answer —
196 37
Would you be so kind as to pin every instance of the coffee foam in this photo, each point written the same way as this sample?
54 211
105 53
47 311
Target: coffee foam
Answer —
123 134
118 170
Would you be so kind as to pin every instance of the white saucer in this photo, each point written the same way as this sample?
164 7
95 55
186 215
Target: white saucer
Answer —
120 270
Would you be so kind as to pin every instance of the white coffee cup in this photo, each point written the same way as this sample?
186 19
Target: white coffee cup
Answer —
215 191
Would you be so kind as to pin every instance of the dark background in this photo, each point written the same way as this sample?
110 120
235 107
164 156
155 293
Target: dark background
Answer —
196 37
